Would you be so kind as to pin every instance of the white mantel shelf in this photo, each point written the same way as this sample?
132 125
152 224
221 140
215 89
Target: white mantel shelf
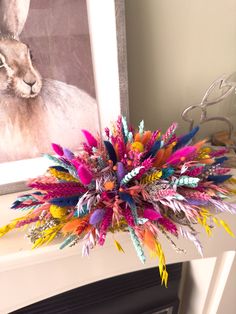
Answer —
28 276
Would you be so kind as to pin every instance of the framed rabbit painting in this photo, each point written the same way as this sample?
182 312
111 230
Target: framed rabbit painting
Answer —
62 69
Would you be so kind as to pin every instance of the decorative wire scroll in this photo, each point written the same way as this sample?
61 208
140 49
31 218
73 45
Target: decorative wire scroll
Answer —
227 86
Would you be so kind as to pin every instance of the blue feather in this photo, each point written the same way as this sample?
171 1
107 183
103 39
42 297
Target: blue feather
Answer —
187 137
111 152
167 172
59 168
38 193
129 200
156 146
219 179
153 150
65 201
220 160
15 204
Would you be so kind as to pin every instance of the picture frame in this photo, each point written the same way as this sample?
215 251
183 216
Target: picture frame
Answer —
108 44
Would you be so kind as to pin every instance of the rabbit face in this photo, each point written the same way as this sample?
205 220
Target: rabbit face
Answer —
18 76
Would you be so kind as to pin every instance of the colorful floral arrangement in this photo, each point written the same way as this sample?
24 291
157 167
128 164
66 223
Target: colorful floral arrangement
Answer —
136 181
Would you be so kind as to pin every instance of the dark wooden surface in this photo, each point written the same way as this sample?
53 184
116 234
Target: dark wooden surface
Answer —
137 292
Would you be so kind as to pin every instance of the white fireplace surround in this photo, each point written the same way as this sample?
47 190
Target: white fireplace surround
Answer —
27 276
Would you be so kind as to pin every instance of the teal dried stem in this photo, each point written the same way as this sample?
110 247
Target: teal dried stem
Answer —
83 211
137 245
135 214
26 198
29 207
68 241
130 175
141 128
187 181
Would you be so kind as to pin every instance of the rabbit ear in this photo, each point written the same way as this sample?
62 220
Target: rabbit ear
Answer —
13 15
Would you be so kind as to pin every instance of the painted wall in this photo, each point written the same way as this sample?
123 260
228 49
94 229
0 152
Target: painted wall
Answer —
175 50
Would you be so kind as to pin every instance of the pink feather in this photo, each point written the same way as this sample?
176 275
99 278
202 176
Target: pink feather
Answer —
168 225
146 164
194 172
87 148
90 138
84 174
221 171
151 214
182 153
219 152
57 149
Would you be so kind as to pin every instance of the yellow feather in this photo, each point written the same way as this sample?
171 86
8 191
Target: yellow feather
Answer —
51 237
151 177
227 228
162 264
164 278
119 247
203 222
158 252
232 180
57 211
61 175
216 221
7 228
37 243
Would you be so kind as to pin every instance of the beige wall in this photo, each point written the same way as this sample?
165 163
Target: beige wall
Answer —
175 50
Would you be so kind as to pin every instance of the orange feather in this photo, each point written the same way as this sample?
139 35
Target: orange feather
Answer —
137 137
199 145
146 137
143 139
167 154
116 149
207 161
159 157
71 226
149 240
